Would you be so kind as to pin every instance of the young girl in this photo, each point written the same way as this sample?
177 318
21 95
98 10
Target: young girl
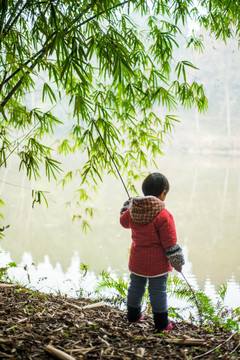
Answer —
154 249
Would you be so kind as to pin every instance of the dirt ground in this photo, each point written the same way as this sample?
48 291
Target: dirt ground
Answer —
38 326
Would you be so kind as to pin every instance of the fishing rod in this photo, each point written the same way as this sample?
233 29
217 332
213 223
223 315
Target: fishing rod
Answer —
194 295
114 163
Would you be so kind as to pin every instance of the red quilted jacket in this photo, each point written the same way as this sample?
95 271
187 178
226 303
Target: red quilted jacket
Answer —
153 231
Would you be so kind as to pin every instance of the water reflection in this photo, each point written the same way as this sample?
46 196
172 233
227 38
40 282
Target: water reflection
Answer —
204 199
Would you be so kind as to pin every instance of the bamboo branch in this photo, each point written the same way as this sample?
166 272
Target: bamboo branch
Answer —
101 13
59 354
37 57
10 25
11 17
3 81
43 51
19 83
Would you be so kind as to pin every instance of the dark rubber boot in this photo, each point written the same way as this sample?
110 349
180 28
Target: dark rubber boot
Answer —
160 320
133 314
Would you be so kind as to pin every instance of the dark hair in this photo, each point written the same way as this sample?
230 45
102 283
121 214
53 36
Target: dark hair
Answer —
155 184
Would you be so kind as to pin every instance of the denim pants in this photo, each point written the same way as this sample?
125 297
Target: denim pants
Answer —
157 288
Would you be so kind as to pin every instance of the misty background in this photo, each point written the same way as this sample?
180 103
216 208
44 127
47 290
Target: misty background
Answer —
202 162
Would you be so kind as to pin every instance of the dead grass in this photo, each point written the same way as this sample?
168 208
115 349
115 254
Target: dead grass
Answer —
31 321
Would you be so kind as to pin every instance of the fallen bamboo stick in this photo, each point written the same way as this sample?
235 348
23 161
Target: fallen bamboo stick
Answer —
59 354
22 320
95 305
8 285
86 307
73 305
186 341
83 351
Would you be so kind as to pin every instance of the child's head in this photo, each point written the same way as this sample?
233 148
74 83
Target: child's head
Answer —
155 184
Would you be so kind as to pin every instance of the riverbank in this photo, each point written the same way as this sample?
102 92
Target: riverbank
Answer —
34 325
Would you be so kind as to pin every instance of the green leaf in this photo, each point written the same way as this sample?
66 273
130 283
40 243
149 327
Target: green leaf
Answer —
51 168
47 91
38 195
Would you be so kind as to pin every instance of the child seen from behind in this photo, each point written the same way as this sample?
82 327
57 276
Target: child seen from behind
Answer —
154 249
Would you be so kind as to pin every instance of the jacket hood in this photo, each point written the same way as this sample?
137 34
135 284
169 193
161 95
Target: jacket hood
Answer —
145 208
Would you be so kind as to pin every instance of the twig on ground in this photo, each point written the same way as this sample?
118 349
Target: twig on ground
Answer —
7 356
235 348
86 307
217 347
73 305
95 305
59 354
188 341
8 285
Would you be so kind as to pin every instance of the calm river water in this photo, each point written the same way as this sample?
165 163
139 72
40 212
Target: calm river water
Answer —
204 199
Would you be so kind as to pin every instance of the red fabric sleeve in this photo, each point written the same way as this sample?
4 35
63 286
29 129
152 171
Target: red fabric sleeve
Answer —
165 226
125 219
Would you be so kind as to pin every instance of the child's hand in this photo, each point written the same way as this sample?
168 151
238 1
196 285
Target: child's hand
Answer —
179 269
126 206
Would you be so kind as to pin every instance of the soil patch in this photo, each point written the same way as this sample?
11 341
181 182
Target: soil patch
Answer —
31 321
